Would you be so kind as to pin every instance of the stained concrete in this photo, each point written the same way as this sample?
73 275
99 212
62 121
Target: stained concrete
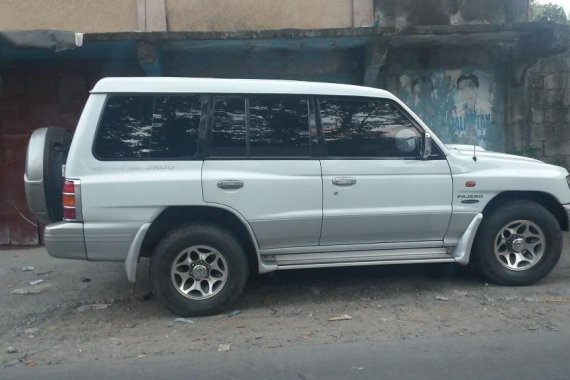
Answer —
448 12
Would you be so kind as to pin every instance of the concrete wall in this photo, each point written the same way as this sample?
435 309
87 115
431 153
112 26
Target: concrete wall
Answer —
76 15
548 113
218 15
448 12
194 15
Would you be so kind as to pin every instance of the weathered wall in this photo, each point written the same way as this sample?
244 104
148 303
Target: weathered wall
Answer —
327 65
76 15
218 15
202 15
458 92
548 111
448 12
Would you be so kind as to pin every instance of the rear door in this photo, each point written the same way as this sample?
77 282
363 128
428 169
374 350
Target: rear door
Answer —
259 162
376 188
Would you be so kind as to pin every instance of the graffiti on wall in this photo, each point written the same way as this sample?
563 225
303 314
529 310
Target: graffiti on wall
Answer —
460 106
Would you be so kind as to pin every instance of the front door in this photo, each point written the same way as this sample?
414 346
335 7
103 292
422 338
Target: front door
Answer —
376 188
259 163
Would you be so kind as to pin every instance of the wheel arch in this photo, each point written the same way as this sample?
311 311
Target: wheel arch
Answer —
175 216
546 200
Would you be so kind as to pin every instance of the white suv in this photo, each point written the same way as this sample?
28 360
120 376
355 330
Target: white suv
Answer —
213 179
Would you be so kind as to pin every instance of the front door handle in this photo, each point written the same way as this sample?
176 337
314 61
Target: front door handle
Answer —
344 181
230 184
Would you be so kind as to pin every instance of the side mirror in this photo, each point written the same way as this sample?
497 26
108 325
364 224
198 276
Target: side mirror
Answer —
426 146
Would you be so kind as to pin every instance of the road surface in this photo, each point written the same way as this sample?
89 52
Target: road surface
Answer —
526 356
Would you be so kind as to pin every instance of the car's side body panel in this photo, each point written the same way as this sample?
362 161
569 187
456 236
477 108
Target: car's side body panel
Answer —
280 199
118 197
391 201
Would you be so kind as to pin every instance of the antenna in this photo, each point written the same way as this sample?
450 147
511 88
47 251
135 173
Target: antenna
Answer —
474 152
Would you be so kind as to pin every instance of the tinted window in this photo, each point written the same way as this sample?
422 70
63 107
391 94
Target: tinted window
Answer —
279 127
148 127
228 132
367 128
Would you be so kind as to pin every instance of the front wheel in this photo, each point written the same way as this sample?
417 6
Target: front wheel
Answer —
517 244
198 269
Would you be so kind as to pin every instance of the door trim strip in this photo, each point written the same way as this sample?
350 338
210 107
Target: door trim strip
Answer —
351 247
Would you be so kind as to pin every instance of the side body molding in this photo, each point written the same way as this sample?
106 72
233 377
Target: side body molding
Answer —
462 251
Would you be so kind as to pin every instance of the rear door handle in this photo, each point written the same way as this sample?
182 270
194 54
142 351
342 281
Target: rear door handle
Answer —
344 181
230 184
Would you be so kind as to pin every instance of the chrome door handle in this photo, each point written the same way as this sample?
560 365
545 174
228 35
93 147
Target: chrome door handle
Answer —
344 181
230 184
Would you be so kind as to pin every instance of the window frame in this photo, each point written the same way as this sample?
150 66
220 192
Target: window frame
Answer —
199 150
311 116
436 151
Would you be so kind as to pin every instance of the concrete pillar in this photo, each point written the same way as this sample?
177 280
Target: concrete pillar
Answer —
362 13
374 58
151 15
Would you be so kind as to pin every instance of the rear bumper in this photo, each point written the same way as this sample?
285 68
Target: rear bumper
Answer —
65 240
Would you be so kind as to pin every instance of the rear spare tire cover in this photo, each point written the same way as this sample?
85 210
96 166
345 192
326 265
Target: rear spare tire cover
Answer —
47 152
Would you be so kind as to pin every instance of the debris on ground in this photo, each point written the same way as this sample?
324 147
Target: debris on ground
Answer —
146 297
44 273
11 350
224 347
184 320
557 300
31 330
30 289
28 269
35 282
344 317
233 313
95 306
85 279
441 298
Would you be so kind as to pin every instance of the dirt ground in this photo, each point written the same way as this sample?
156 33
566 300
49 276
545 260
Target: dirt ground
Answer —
287 308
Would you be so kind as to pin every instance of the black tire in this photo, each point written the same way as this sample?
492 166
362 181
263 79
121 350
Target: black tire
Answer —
488 264
191 235
56 149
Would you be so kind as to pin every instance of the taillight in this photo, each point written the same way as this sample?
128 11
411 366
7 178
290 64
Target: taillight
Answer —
71 207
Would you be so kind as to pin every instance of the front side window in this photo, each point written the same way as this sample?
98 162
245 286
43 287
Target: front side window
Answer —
367 128
149 128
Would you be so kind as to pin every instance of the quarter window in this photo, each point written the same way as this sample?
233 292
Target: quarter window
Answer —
367 128
149 128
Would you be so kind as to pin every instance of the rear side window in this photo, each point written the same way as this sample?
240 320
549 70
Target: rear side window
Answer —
260 126
149 128
367 128
279 127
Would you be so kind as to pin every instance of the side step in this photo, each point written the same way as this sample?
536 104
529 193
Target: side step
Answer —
360 258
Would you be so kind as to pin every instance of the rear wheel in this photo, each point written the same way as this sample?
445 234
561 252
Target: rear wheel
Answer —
517 244
198 269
